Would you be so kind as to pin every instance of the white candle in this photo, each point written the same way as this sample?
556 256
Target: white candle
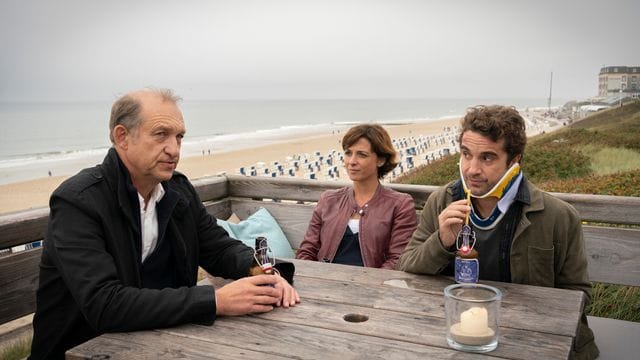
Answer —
474 321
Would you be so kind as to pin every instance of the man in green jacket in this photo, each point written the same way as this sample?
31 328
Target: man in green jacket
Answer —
523 235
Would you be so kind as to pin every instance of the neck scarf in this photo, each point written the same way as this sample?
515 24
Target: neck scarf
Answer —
505 190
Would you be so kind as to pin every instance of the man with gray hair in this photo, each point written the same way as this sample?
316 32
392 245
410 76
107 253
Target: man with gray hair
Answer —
125 239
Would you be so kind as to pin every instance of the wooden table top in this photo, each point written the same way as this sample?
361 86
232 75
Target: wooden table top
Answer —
403 323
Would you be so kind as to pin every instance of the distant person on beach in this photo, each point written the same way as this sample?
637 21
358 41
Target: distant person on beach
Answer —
365 224
523 234
125 239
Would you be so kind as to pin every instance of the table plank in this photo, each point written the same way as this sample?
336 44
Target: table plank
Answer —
311 342
515 312
159 345
254 338
569 300
425 330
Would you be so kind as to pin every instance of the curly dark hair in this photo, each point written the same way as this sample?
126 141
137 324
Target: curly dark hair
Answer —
497 122
380 144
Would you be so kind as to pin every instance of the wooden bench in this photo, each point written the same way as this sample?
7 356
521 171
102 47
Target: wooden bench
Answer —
613 251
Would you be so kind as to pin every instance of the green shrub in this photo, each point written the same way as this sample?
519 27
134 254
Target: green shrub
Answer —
620 184
439 173
617 127
554 162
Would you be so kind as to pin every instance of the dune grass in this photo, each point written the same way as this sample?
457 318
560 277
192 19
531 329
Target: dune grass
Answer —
17 350
597 155
615 301
610 160
625 183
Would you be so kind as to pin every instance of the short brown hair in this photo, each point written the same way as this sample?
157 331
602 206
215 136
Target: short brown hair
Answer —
126 110
380 144
497 122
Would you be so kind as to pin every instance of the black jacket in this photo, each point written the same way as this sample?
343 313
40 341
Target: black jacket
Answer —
90 271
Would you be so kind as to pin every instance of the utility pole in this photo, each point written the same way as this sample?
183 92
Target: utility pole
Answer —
550 87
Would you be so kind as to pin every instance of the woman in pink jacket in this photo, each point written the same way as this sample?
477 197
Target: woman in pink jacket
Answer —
364 224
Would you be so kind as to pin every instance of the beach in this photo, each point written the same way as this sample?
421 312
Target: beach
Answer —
35 193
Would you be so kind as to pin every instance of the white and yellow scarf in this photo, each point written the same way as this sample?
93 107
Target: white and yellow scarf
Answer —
505 190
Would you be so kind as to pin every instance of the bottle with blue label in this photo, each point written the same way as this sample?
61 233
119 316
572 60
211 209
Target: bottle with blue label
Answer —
467 268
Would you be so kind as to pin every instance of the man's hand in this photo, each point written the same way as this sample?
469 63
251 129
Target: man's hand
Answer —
450 221
246 296
288 295
249 295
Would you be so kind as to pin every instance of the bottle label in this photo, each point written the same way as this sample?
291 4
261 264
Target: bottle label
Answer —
466 270
267 268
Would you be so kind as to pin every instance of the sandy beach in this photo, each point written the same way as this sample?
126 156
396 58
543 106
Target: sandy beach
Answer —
35 193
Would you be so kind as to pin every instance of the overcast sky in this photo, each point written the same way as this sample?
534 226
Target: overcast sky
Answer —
276 49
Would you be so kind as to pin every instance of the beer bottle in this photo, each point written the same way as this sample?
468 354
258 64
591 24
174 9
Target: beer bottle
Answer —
466 261
262 255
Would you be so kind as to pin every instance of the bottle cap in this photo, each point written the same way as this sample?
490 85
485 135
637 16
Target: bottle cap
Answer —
259 241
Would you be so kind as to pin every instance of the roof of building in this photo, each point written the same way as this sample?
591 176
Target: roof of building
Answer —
620 69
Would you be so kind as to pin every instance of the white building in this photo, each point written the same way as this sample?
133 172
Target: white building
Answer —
613 80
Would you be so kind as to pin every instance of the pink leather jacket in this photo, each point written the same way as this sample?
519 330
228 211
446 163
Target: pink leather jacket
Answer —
386 226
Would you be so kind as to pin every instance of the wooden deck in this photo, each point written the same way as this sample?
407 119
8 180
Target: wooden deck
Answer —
403 323
613 252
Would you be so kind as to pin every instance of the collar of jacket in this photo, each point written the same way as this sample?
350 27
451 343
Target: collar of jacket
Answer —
374 198
173 204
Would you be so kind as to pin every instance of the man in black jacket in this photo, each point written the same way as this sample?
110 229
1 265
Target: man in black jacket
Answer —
125 239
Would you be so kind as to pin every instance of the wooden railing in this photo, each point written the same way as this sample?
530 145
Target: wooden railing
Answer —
614 252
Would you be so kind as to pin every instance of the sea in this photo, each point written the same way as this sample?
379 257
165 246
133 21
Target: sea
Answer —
51 139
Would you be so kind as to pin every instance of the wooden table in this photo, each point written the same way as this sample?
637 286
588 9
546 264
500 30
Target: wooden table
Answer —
403 323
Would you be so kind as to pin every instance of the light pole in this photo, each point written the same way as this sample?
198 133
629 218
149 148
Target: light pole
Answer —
620 99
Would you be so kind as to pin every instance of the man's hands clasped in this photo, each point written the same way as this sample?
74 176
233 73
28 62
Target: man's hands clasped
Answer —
250 295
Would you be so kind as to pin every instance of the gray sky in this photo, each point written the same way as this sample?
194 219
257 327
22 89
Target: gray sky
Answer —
277 49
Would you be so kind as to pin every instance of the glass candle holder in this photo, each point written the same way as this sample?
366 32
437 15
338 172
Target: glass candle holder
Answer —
472 312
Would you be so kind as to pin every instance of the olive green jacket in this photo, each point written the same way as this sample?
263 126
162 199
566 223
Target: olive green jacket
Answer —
547 250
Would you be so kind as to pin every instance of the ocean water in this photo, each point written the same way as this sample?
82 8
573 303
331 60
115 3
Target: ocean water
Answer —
63 138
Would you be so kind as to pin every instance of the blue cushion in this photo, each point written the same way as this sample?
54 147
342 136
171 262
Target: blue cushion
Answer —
261 223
